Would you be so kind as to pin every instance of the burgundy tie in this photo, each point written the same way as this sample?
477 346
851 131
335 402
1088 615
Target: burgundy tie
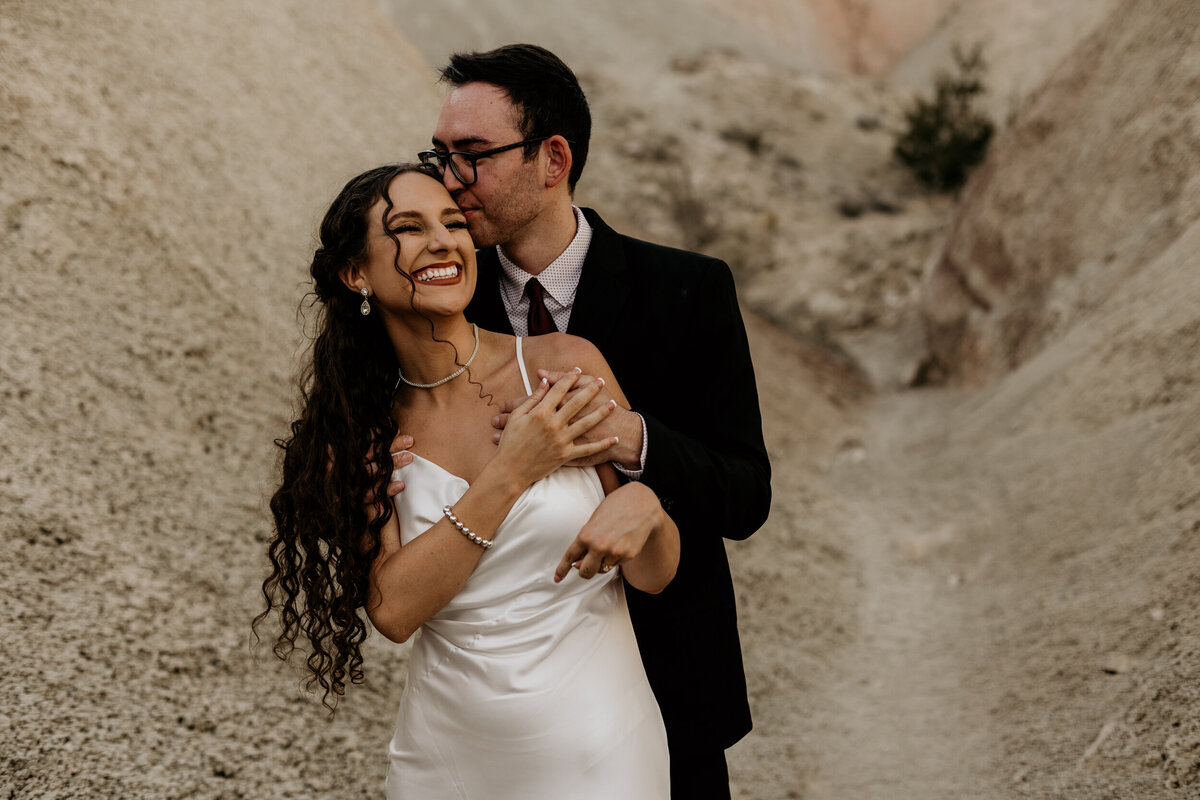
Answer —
540 320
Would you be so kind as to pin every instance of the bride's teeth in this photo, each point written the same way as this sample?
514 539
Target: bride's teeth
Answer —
438 274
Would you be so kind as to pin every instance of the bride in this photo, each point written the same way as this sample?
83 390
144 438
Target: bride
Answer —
525 679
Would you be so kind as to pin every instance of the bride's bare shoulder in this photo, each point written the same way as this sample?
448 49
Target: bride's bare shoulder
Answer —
560 352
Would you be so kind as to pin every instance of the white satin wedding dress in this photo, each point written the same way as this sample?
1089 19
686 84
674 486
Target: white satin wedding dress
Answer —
520 687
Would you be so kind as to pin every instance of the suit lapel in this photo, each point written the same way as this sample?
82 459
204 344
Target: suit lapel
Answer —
599 300
604 286
487 308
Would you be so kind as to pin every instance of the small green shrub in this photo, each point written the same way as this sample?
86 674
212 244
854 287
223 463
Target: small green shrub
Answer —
946 136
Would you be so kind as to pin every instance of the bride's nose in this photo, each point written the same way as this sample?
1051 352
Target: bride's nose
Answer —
440 238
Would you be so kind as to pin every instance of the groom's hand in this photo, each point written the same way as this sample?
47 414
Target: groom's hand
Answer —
400 458
621 423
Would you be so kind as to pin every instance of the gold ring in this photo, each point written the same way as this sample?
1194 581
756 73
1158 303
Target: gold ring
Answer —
606 567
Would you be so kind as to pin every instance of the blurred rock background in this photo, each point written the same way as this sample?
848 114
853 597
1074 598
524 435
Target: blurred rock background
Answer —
981 587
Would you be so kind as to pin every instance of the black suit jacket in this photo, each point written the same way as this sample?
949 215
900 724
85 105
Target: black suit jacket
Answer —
669 325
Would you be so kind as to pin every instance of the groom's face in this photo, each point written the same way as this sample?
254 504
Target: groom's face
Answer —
506 194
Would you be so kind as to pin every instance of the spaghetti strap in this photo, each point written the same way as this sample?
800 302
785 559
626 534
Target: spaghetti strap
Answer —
521 366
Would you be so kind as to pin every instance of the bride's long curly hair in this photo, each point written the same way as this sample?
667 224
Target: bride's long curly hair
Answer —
325 540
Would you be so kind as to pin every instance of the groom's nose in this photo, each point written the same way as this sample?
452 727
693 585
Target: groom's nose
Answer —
452 183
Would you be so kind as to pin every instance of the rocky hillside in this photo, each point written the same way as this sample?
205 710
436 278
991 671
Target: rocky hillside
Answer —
859 37
768 151
162 171
1098 175
1023 41
984 589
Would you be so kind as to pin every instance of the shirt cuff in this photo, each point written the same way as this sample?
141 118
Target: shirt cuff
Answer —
636 474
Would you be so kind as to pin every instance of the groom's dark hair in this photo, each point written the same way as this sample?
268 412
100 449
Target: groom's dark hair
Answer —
541 85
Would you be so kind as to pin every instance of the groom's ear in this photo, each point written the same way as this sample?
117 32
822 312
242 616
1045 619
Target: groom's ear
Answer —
558 165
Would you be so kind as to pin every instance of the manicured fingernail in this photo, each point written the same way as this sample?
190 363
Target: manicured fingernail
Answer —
398 452
543 381
407 440
615 440
612 403
578 371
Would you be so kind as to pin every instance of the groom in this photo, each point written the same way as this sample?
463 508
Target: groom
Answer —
512 140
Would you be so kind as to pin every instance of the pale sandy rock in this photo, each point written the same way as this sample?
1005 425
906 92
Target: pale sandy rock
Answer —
1027 556
1099 174
789 177
1074 478
860 37
984 593
630 44
1023 42
162 171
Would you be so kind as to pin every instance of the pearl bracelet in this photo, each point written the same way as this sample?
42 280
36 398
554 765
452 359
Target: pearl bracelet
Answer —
486 544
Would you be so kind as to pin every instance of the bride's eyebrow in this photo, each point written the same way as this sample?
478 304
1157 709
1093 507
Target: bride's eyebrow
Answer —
396 215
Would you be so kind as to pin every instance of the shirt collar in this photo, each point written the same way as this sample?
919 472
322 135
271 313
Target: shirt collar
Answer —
561 277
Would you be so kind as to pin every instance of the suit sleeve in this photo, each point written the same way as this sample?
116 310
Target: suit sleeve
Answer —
710 462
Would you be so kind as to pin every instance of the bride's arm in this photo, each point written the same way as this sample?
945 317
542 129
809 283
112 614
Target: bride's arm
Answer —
410 583
653 567
629 527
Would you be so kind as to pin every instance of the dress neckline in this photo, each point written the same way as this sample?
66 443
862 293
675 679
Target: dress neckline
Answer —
528 390
439 466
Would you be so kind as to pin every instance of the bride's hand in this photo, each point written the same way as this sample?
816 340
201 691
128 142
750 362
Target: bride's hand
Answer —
541 433
622 425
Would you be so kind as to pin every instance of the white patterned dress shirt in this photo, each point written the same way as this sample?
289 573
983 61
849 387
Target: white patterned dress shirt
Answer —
560 280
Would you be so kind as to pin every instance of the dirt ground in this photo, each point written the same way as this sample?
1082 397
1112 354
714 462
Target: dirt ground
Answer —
960 593
985 593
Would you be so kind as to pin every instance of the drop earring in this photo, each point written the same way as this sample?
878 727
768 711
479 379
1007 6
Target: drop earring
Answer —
365 308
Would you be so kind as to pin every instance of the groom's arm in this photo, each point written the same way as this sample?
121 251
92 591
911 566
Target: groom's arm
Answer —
702 428
706 459
704 452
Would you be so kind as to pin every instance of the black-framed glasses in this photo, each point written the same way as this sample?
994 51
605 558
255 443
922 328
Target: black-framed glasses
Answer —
462 163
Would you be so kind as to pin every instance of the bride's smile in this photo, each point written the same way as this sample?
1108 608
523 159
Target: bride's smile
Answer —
418 243
439 274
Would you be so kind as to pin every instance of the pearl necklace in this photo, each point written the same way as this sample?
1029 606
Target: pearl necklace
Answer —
449 377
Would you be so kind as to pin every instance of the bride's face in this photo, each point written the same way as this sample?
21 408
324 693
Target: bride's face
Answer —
435 250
